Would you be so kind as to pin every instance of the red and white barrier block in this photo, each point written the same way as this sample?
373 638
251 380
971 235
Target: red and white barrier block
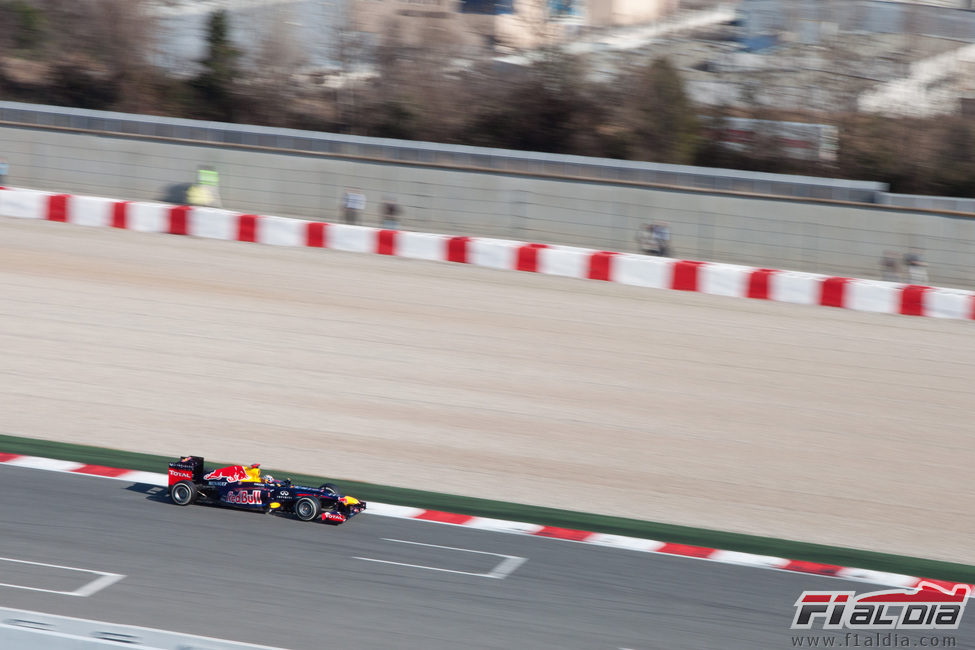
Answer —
568 261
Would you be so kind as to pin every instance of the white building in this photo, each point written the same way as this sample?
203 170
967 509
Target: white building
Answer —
810 21
516 23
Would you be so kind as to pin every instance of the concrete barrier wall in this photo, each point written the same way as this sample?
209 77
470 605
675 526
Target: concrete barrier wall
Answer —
826 238
715 278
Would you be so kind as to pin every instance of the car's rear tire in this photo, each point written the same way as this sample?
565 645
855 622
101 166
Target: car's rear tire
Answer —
307 509
183 493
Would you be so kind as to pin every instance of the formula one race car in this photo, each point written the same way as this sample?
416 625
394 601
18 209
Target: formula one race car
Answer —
244 487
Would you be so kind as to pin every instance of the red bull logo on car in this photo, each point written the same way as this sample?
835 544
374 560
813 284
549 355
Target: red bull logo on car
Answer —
231 474
245 497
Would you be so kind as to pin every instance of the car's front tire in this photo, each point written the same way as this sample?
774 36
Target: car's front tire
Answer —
307 509
183 493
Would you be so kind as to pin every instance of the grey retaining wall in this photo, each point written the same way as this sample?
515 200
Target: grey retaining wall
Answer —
764 231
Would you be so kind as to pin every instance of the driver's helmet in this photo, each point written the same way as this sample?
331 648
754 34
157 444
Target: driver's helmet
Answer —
269 479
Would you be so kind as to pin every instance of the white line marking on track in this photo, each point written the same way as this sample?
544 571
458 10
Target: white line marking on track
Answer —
502 570
423 566
96 585
103 580
507 566
449 548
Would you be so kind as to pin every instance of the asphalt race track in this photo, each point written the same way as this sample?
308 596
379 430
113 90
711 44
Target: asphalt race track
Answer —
272 580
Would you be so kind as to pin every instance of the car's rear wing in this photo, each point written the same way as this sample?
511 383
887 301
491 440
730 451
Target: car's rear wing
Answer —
186 468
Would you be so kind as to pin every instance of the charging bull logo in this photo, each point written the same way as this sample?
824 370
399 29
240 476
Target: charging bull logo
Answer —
929 607
230 474
245 498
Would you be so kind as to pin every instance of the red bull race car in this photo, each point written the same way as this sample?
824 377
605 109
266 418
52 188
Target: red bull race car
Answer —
244 487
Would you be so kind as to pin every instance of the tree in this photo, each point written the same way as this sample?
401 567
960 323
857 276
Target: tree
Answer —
22 26
663 120
123 34
954 158
545 106
276 63
93 53
350 53
893 151
216 84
